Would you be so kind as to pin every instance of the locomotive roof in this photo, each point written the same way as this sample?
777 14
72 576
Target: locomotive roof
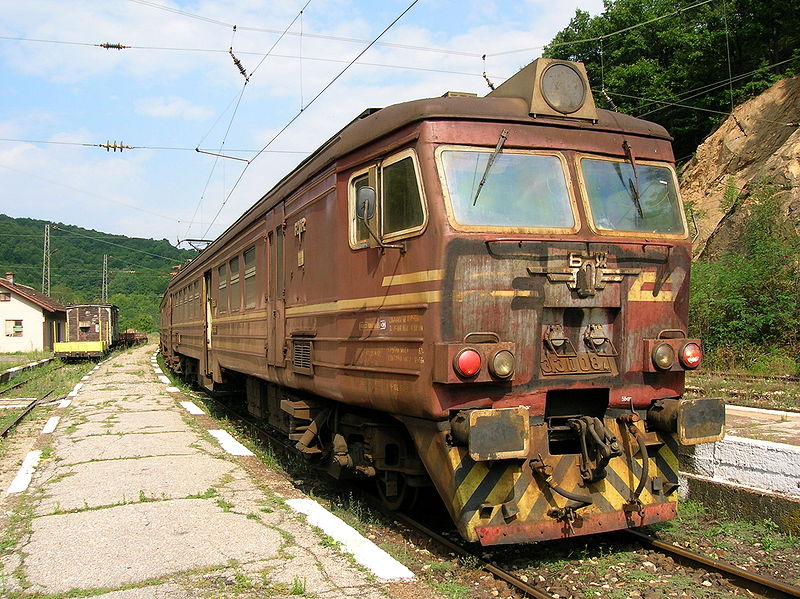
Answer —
373 124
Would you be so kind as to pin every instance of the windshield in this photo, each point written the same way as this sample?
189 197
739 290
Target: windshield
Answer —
621 203
520 190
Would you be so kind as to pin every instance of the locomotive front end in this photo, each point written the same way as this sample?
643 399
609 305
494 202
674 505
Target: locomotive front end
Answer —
564 332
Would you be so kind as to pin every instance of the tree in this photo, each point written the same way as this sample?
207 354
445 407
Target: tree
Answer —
674 70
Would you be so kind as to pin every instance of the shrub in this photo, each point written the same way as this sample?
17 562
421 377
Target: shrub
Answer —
747 304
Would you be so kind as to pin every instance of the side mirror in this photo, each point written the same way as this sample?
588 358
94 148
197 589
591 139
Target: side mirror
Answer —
365 203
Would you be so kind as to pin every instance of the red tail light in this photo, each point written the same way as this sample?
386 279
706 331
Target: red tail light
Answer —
691 355
467 363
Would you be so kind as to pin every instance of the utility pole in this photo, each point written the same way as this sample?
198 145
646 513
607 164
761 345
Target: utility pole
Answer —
46 261
104 291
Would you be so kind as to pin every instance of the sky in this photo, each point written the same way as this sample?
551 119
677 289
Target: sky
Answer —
177 88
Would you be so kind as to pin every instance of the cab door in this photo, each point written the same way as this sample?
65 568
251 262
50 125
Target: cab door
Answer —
276 289
208 312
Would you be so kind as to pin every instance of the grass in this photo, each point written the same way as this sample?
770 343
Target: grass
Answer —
9 415
724 531
774 394
452 590
49 378
298 586
13 359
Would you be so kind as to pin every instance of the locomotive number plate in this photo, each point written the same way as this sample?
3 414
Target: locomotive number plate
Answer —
552 365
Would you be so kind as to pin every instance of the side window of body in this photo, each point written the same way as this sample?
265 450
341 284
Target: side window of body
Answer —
400 211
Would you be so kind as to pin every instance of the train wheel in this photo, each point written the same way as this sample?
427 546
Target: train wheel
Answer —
395 492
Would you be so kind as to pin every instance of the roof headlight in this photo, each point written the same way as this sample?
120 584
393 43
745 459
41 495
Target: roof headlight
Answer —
562 88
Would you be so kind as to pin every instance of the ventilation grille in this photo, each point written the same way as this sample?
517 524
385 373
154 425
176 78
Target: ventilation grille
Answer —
301 357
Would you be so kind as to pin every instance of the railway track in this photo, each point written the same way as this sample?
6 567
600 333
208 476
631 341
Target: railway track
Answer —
25 411
752 377
763 585
756 584
27 380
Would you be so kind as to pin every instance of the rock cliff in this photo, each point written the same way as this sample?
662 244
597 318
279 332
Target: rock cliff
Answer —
760 141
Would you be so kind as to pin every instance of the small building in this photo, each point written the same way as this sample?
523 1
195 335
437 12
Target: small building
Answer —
31 320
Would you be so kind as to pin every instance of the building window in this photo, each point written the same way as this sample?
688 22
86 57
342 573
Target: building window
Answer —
5 297
13 328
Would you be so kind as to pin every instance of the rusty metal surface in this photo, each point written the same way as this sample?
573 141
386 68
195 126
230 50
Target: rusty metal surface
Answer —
509 502
547 530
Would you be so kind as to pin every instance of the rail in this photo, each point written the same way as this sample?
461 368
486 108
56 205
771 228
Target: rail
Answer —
754 582
27 410
21 383
762 585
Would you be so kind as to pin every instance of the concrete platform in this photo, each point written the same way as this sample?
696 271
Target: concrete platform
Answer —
754 472
132 497
764 425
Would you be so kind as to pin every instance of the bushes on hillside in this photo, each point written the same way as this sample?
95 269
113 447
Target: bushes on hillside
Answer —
746 305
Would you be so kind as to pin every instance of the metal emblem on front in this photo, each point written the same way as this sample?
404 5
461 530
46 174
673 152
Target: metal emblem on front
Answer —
586 272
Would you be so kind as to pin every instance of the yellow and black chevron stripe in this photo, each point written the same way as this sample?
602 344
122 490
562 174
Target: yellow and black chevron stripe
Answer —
476 491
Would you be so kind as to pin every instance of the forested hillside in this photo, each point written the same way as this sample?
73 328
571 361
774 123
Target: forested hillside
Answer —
690 64
138 269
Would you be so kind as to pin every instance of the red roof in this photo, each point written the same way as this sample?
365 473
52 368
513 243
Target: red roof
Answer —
37 297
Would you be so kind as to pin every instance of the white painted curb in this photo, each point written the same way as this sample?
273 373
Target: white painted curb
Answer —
771 467
25 474
229 444
367 553
192 408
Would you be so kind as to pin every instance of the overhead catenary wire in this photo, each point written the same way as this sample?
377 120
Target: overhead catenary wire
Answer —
107 242
405 67
92 270
698 108
293 119
698 91
692 93
93 195
336 38
238 101
138 147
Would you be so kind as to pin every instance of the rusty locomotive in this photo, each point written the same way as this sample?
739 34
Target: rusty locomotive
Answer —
487 295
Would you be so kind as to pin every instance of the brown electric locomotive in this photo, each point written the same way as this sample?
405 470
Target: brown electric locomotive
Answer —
487 295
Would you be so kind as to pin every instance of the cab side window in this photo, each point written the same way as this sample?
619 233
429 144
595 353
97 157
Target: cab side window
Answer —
400 210
359 235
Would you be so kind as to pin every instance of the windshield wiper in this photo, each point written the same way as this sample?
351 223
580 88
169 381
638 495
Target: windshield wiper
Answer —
634 189
498 147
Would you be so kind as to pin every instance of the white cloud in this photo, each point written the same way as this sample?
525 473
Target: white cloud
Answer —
172 106
166 92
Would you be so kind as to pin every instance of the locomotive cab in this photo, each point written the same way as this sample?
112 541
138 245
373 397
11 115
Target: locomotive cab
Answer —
566 272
